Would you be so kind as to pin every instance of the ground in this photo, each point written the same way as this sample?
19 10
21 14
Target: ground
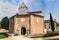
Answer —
19 38
26 38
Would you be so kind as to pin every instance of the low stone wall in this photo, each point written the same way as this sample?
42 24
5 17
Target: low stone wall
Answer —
3 30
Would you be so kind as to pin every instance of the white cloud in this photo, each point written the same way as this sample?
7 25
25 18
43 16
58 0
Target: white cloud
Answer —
7 9
10 8
27 2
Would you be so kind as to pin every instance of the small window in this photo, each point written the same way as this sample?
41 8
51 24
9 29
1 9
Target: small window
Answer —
22 19
37 20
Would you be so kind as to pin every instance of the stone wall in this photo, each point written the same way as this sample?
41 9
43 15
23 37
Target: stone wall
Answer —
37 24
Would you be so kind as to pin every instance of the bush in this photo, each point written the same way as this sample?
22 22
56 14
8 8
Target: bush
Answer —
51 34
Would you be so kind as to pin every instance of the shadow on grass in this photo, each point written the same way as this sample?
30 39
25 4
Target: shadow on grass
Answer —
46 35
3 35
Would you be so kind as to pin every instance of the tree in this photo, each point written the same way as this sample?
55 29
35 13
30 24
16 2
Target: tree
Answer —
52 23
5 23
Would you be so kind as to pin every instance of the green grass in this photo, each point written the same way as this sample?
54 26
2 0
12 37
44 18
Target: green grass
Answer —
36 36
3 35
46 35
51 34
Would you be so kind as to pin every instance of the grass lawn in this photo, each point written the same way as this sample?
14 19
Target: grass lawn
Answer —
3 35
46 35
51 34
36 36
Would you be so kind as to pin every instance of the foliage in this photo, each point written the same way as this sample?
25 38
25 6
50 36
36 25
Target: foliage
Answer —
52 23
5 23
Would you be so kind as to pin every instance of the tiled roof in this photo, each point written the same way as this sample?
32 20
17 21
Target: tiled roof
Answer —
36 12
29 13
47 21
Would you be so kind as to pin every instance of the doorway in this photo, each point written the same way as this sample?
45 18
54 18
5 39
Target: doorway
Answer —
23 31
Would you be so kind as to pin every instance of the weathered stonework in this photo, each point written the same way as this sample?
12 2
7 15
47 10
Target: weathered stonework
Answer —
31 22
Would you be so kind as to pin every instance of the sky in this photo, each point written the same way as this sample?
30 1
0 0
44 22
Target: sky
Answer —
10 7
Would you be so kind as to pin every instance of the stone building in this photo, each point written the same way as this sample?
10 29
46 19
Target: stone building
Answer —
47 27
57 27
24 22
